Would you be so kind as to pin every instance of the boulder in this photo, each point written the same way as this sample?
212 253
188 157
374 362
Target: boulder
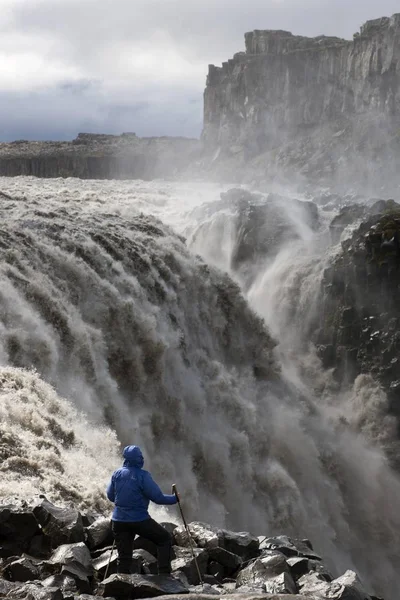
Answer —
100 562
33 591
17 527
346 587
61 525
79 574
64 582
203 534
185 562
99 534
23 569
290 547
128 587
280 584
73 554
270 574
299 566
242 544
231 562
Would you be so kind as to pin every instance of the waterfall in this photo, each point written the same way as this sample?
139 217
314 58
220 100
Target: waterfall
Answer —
156 346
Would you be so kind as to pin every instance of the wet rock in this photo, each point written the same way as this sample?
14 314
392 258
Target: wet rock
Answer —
79 574
99 534
23 569
32 591
299 566
231 562
347 587
127 587
64 582
40 546
208 589
62 525
280 584
185 562
100 562
73 553
270 574
202 534
242 544
18 526
290 547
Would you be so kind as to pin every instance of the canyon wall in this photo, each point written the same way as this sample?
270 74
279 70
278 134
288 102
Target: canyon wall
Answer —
319 107
98 156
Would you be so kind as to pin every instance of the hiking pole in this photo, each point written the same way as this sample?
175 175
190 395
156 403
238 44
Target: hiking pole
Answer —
175 491
109 560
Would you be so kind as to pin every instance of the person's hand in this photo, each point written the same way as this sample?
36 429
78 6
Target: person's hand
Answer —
175 491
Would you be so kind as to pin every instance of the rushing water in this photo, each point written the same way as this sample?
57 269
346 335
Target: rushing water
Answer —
102 297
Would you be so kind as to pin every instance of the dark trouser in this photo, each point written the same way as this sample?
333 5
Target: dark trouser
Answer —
124 534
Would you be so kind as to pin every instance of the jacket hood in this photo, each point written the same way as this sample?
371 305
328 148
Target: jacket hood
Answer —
133 457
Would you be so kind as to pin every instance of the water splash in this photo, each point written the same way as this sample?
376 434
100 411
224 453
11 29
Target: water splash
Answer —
111 307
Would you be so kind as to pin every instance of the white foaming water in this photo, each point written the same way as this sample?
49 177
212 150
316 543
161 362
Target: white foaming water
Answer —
112 309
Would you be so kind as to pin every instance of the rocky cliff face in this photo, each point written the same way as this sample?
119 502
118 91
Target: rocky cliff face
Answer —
310 105
360 313
92 156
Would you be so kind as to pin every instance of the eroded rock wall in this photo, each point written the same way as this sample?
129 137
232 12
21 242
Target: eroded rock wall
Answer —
307 103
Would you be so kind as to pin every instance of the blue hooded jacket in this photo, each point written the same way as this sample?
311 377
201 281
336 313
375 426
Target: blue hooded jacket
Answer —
131 489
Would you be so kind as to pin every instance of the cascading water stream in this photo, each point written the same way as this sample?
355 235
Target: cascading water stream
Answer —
112 309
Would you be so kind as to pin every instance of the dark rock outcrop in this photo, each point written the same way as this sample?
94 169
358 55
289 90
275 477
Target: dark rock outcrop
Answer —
96 156
359 320
323 108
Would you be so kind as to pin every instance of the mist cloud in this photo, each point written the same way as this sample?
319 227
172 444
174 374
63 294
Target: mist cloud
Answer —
136 65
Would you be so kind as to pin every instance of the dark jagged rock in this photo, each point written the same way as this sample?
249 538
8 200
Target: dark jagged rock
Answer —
264 223
73 554
184 562
23 569
271 574
126 587
18 526
242 544
100 562
61 525
231 562
99 534
347 216
271 569
359 319
32 591
347 587
66 583
202 534
290 547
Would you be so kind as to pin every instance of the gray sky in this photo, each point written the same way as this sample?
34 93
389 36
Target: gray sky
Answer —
137 65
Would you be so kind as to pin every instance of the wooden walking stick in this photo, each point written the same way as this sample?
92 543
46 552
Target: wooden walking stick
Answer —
175 491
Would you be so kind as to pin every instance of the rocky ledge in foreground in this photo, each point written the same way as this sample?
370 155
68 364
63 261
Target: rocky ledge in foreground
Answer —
53 553
98 156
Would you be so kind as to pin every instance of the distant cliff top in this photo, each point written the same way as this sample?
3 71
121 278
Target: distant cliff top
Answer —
93 143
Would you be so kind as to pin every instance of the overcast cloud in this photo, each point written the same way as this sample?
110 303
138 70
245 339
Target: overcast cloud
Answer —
137 65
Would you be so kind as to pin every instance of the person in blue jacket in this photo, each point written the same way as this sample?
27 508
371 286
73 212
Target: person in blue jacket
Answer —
131 488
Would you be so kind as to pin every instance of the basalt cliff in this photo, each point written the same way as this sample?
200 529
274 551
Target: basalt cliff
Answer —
321 109
99 156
